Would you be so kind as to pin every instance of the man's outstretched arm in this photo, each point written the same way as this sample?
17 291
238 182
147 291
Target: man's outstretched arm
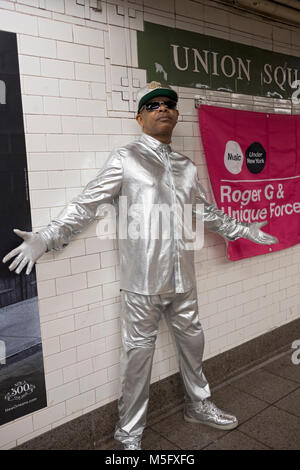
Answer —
80 212
217 221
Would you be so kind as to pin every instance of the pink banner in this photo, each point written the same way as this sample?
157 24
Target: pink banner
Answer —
253 161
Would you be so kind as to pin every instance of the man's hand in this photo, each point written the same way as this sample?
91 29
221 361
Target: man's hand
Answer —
28 252
256 235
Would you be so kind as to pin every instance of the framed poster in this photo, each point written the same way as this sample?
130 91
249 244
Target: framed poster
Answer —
22 382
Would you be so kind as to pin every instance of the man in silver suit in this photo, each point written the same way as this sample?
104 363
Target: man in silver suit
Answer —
157 273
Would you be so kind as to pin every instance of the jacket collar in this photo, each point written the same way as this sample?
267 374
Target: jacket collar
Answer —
154 143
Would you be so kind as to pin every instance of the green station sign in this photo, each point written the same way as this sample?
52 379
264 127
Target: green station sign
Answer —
188 59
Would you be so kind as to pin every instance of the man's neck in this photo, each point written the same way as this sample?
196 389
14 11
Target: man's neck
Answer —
164 139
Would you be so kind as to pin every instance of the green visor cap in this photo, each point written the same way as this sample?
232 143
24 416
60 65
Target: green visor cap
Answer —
152 90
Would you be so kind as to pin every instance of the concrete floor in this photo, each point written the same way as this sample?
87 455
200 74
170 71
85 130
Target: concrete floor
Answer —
266 401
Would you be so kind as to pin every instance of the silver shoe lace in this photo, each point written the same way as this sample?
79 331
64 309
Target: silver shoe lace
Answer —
133 446
210 408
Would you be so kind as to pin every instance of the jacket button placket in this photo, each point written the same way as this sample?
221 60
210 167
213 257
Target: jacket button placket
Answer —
178 282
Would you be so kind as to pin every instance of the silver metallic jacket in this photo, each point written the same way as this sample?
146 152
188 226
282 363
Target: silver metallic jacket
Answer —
147 172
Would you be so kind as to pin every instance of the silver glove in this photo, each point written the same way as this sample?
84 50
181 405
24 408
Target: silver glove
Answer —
28 252
253 233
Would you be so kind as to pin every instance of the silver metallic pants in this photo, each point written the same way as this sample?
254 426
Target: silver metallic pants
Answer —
140 317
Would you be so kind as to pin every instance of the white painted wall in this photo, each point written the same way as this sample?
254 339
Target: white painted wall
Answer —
78 76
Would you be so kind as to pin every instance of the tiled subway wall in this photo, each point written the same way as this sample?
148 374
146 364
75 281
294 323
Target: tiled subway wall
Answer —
79 76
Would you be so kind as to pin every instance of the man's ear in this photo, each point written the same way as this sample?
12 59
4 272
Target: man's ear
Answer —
139 119
177 116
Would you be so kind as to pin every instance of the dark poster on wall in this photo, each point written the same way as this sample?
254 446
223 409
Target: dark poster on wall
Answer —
22 382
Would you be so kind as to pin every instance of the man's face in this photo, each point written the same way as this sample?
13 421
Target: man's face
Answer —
159 122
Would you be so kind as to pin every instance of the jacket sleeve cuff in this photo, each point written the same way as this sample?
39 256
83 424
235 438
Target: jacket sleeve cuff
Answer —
45 235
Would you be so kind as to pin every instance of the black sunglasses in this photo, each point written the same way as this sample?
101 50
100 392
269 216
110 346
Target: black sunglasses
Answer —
155 105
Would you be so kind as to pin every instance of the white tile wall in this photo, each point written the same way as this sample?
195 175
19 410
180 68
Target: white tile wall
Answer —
79 75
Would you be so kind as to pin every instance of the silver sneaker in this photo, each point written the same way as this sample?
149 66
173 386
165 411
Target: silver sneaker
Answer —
206 412
134 445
